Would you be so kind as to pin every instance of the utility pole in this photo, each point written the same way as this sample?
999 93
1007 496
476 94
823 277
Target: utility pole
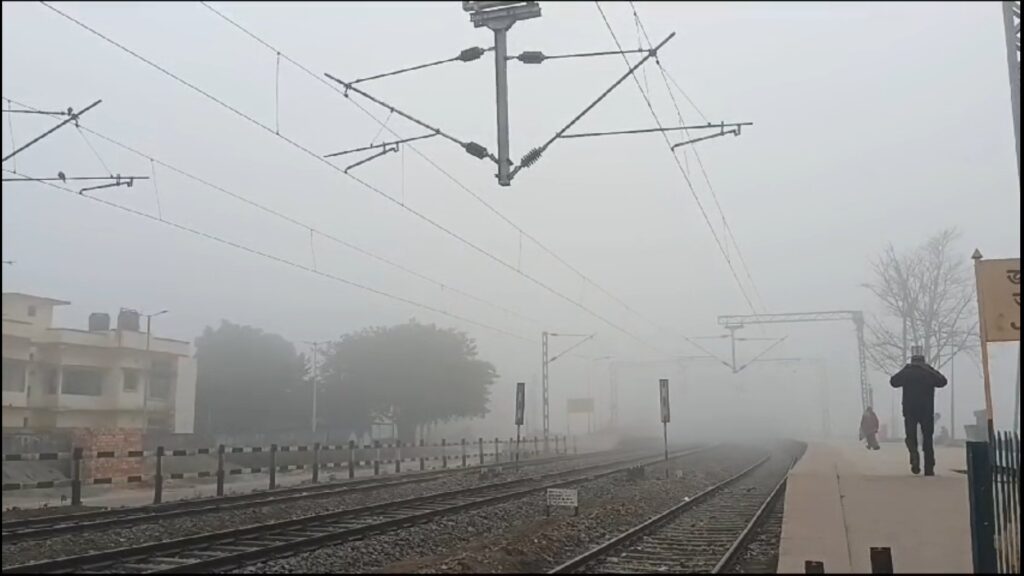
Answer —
499 17
149 362
545 362
316 383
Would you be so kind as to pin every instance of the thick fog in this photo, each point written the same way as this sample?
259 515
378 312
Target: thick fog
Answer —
873 123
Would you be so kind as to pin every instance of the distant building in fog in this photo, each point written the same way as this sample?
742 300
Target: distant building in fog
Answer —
102 377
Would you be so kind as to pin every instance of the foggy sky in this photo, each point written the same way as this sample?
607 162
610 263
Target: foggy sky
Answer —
872 123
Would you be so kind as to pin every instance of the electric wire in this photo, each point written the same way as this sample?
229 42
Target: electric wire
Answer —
714 195
300 224
279 259
523 233
365 184
686 178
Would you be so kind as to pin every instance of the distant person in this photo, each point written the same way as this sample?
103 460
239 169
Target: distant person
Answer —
919 381
869 428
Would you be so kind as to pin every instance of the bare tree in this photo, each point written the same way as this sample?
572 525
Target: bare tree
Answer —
927 295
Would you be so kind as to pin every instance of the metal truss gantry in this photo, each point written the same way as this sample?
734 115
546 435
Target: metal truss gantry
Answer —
856 316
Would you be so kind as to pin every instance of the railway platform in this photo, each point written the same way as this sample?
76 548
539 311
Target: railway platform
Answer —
842 500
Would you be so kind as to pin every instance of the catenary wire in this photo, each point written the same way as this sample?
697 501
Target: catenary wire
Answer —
365 184
547 250
279 259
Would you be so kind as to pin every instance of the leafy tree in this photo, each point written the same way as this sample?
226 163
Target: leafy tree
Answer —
927 294
249 381
416 373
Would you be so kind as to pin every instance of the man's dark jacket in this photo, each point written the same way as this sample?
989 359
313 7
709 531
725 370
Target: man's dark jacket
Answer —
918 382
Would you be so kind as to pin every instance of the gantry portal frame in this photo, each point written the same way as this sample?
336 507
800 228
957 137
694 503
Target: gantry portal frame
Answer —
856 316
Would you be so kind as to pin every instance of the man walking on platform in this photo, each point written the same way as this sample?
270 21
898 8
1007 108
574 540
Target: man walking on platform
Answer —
919 381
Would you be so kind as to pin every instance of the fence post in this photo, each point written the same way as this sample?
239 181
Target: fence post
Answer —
574 450
76 477
376 458
480 445
444 453
510 449
421 454
497 450
536 446
351 459
273 466
316 462
158 478
463 442
979 488
556 444
220 470
398 456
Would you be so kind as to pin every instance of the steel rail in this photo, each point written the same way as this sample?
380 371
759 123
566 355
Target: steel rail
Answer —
31 528
650 524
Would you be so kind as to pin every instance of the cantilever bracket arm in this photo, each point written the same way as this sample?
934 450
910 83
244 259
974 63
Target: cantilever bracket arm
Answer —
735 132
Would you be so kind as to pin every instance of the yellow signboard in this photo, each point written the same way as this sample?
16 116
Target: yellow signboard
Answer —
999 299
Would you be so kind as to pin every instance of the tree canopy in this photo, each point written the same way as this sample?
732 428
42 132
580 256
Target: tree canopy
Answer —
249 381
927 294
416 373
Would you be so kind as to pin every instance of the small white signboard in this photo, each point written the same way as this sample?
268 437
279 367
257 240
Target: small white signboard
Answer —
563 497
567 497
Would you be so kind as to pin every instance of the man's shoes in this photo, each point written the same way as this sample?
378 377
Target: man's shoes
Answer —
915 469
929 472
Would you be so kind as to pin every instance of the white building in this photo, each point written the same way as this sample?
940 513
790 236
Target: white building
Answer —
97 378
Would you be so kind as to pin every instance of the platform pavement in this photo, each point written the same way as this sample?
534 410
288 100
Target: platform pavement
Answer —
842 500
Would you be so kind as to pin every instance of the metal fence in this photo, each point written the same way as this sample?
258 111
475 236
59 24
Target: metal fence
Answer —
993 476
1006 501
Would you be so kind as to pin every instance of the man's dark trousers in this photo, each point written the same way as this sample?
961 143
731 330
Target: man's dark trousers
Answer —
927 424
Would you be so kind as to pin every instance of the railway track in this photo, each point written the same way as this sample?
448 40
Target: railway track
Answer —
703 534
231 548
46 526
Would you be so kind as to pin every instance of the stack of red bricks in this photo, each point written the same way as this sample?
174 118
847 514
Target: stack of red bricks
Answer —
117 440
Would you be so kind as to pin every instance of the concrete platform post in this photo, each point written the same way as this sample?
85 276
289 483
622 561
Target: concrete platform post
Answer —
76 476
158 477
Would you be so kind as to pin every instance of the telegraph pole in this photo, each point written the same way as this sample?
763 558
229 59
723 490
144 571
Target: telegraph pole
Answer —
499 17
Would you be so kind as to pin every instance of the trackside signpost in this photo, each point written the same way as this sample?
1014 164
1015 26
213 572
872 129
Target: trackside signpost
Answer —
520 413
666 415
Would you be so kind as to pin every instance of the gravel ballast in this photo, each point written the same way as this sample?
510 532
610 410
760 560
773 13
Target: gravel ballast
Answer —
143 532
516 536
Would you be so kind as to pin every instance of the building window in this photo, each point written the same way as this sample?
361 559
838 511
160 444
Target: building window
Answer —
14 376
161 380
31 311
50 377
131 380
82 382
